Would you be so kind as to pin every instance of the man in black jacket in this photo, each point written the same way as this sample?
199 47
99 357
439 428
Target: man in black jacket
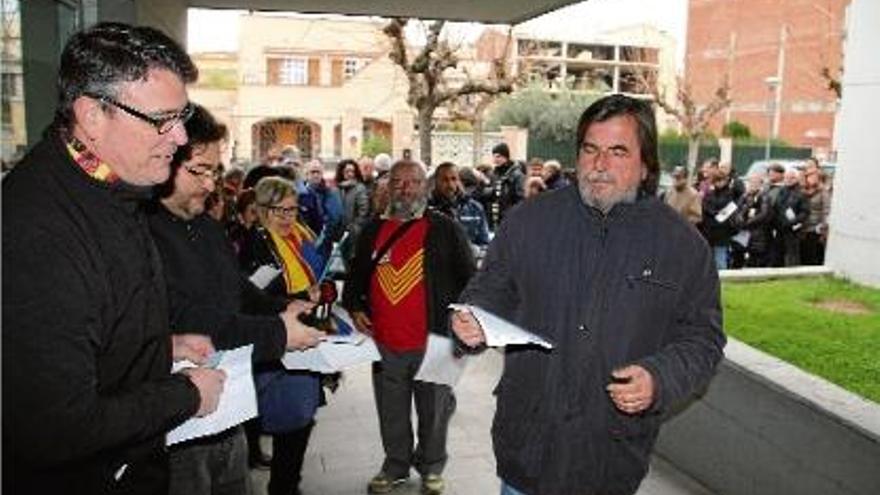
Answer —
629 298
790 211
88 393
208 293
408 267
508 181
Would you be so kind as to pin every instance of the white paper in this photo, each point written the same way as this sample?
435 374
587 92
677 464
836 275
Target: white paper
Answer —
725 212
789 214
440 365
238 401
264 276
498 331
742 238
330 357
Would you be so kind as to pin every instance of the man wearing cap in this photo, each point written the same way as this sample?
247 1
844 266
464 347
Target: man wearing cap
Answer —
683 198
508 181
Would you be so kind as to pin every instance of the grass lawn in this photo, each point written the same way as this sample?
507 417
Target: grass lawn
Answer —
841 344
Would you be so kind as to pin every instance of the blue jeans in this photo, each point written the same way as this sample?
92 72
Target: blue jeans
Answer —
721 254
509 490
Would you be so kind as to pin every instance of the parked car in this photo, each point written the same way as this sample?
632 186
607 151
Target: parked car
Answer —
760 166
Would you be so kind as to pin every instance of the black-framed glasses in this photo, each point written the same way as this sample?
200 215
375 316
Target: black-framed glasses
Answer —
213 174
163 124
282 211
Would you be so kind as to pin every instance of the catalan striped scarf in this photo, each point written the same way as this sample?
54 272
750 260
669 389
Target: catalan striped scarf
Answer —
89 162
300 258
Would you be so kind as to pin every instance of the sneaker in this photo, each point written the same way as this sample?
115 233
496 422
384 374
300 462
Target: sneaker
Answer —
432 484
382 483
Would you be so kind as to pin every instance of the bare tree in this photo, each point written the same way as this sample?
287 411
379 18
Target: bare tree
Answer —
428 88
693 116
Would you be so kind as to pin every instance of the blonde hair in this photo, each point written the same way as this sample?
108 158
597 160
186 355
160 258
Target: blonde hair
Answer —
270 191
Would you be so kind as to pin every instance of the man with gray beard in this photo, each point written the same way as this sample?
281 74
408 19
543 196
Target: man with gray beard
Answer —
409 265
629 298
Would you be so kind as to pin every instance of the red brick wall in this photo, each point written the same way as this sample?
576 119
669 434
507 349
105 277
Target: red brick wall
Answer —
814 40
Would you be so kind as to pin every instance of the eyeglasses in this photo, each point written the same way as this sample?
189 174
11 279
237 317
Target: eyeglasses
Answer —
204 173
163 124
282 211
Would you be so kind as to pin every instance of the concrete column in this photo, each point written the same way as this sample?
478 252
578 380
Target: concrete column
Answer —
328 127
517 140
169 16
402 125
352 133
245 144
726 146
41 42
854 239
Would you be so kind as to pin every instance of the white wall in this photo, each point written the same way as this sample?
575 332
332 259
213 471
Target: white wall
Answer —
854 242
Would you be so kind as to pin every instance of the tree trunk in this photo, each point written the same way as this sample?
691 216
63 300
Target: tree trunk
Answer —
693 150
478 142
425 117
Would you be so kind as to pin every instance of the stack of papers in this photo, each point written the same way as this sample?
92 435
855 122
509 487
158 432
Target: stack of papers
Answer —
238 401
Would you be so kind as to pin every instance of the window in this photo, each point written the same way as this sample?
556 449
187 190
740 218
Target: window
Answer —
351 67
293 71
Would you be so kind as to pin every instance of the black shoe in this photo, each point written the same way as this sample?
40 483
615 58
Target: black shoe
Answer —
259 460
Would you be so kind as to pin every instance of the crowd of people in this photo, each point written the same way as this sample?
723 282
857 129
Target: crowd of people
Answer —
765 220
130 249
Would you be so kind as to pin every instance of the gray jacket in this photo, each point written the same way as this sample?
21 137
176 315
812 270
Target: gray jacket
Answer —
355 208
635 287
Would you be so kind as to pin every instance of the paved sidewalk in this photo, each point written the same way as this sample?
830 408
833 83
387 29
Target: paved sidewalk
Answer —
345 450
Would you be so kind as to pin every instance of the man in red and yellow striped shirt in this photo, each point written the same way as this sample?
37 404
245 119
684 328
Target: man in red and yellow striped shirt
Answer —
409 265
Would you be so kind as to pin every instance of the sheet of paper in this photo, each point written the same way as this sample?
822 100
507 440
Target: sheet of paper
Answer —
789 214
330 357
238 401
440 365
725 212
742 238
264 276
500 332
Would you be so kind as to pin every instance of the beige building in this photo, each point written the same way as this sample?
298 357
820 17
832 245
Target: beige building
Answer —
322 85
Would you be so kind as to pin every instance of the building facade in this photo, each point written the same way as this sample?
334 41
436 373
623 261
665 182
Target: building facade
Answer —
782 58
630 60
321 85
12 123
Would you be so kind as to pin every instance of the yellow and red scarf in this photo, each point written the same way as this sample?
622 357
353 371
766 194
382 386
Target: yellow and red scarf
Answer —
90 162
298 273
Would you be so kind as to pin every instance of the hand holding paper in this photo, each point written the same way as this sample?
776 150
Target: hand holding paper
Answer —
237 397
299 335
467 328
210 384
497 331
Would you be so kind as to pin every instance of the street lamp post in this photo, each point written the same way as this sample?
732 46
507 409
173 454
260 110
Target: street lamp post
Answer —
772 108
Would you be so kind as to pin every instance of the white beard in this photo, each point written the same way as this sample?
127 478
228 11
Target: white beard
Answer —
604 204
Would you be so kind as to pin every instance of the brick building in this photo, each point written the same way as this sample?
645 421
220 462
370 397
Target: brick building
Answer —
774 53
